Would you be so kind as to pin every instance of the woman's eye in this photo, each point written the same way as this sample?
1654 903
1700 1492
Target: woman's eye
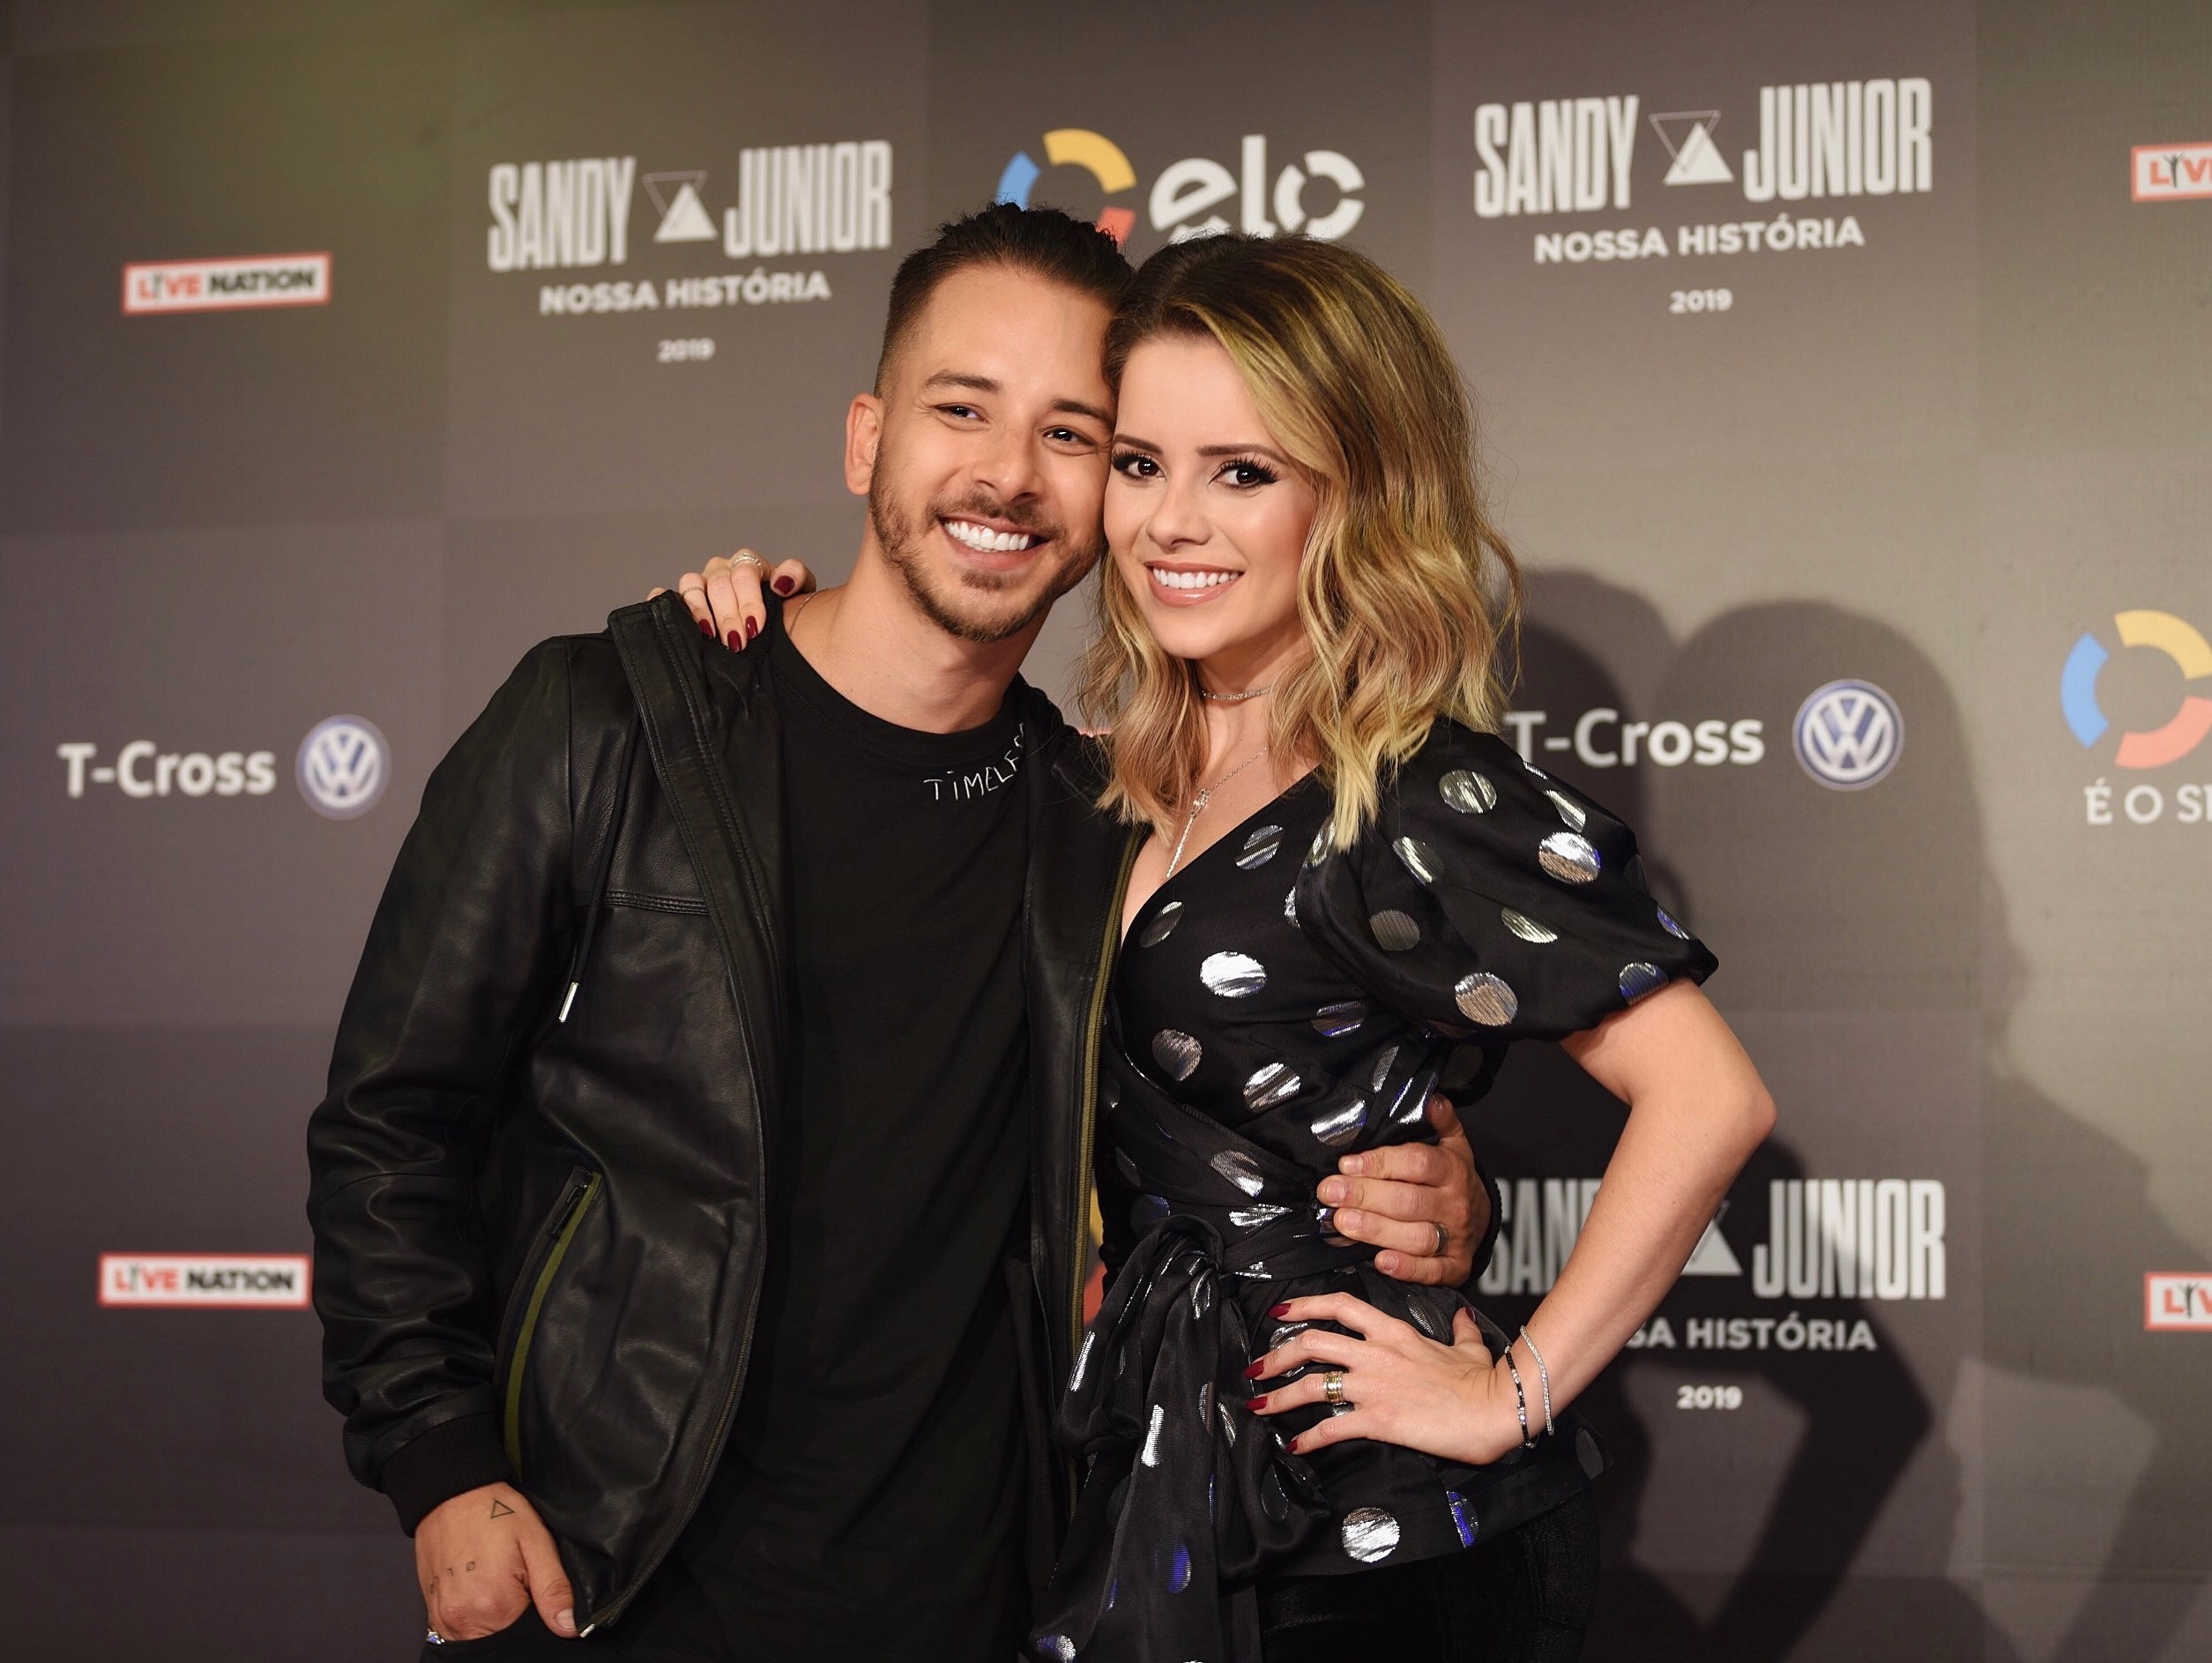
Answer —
1248 473
1136 466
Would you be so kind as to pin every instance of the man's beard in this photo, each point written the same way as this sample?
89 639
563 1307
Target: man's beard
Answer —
902 544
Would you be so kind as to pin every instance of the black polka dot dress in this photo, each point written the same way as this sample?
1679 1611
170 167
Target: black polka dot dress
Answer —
1278 1005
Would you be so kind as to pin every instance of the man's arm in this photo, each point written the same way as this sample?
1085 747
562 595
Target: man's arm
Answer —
463 961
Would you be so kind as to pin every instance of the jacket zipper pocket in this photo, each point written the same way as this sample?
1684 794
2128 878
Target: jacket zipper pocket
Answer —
552 1247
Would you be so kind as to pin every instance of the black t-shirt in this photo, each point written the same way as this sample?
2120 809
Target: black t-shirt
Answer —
869 1502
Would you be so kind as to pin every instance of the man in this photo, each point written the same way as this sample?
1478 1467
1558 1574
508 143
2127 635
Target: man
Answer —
702 1195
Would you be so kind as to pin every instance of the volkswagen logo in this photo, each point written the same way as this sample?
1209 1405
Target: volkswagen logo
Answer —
1848 734
344 766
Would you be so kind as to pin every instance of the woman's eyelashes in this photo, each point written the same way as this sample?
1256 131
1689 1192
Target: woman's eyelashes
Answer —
1242 473
1247 472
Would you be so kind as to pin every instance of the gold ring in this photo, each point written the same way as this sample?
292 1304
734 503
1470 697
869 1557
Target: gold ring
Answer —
1332 1386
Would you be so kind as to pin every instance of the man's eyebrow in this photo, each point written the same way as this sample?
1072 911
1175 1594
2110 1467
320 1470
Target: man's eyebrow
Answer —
984 383
954 378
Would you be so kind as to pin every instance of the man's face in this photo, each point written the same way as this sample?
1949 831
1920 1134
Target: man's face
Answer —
984 460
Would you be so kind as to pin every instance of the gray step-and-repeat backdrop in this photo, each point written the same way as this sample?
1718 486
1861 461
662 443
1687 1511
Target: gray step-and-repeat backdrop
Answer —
1847 371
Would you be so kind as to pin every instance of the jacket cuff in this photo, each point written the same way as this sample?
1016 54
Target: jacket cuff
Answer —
1484 1247
458 1455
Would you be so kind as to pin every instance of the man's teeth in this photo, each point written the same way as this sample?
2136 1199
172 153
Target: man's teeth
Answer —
1172 579
984 541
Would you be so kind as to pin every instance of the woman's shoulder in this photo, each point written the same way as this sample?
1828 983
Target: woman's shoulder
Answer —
1472 787
1486 892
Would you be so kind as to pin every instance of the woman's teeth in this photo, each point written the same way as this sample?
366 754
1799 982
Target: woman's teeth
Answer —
1172 579
984 541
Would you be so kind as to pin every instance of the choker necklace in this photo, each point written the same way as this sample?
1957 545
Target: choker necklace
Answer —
1198 806
1237 698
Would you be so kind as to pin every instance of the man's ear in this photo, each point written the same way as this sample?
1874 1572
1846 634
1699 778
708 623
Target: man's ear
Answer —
863 432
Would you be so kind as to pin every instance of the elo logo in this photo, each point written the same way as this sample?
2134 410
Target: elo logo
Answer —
2178 641
1196 185
344 766
1076 147
1848 734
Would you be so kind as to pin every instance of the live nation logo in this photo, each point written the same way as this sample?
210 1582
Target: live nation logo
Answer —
231 285
205 1281
2178 1300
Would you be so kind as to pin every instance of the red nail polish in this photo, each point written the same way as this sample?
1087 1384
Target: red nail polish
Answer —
1255 1370
1282 1310
782 586
752 628
1255 1403
736 645
706 629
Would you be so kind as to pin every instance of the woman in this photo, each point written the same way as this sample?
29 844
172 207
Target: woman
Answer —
1351 887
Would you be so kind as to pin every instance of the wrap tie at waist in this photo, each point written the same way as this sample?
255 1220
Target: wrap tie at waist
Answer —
1136 1579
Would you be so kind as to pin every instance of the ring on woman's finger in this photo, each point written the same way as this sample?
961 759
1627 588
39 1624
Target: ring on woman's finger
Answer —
1332 1387
746 557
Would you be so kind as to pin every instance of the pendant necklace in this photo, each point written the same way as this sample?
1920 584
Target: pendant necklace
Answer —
1198 804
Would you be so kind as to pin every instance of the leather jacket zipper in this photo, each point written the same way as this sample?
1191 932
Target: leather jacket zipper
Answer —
558 1231
614 1608
1078 1254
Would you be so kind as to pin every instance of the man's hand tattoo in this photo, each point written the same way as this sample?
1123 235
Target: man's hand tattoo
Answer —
500 1510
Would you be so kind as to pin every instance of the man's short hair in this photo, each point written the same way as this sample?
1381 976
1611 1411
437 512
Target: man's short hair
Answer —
1043 242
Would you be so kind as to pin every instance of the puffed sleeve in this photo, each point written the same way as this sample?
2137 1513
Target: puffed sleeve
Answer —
1489 902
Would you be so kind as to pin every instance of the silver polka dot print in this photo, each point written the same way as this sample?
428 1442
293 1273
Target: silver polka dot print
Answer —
1568 857
1467 791
1484 998
1370 1535
1639 980
1417 858
1271 1083
1176 1053
1333 1021
1671 927
1395 932
1240 1169
1232 975
1260 847
1340 1126
1526 928
1569 810
1162 925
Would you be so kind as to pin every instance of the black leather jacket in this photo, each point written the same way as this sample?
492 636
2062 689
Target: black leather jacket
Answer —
538 1175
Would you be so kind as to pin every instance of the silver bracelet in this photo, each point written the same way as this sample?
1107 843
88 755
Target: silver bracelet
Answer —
1520 1397
1544 1377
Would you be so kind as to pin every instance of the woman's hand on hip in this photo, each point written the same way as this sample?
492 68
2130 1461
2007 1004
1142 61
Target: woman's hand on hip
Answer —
1455 1402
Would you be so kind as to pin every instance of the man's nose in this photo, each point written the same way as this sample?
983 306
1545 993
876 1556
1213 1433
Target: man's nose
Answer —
1009 466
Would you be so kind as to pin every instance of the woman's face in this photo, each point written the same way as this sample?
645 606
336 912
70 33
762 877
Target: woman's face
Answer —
1205 517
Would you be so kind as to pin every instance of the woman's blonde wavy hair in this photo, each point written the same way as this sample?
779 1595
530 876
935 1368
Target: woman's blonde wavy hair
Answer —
1409 596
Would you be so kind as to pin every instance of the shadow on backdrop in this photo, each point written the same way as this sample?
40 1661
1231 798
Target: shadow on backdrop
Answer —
1848 905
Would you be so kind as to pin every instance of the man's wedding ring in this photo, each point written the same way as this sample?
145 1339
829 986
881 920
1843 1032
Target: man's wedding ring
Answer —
1444 1239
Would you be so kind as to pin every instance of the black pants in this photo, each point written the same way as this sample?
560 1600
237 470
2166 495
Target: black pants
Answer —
1524 1598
